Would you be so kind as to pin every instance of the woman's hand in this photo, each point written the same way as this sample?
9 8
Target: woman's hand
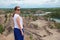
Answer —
22 32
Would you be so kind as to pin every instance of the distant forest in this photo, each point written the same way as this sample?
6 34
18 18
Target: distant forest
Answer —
55 11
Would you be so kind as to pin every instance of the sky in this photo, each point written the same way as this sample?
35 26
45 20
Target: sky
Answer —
29 3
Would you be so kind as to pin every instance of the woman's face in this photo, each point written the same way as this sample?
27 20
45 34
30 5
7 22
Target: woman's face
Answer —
18 10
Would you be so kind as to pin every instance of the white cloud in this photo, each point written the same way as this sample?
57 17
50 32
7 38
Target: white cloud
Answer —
39 1
30 2
9 2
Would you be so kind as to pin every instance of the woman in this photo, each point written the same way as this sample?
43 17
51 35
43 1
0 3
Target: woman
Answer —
18 24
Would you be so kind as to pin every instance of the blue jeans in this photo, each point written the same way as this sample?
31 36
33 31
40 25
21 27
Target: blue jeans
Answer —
18 35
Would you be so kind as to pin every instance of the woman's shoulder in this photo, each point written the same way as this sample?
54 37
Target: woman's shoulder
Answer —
16 15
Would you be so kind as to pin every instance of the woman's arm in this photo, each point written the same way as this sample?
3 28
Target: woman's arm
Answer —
18 22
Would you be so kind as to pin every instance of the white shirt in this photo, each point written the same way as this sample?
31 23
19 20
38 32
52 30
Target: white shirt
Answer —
15 22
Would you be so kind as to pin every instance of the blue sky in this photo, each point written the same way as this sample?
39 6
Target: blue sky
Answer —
29 3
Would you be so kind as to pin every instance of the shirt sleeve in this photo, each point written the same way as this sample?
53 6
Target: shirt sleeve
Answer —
17 16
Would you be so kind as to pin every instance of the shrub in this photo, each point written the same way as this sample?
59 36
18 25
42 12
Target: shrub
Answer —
1 28
57 25
31 37
34 18
6 18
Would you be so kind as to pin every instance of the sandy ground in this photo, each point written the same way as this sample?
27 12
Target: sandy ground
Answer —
54 36
11 37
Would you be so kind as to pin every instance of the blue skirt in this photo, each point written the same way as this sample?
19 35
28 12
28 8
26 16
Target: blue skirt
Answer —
18 35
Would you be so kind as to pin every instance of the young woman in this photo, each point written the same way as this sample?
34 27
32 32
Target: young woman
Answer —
18 24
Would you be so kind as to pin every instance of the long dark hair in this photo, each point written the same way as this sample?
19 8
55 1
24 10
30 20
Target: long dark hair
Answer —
15 10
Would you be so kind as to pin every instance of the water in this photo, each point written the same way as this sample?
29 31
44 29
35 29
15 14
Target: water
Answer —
42 14
57 20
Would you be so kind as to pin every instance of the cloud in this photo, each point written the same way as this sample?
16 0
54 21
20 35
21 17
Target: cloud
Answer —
42 3
29 3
